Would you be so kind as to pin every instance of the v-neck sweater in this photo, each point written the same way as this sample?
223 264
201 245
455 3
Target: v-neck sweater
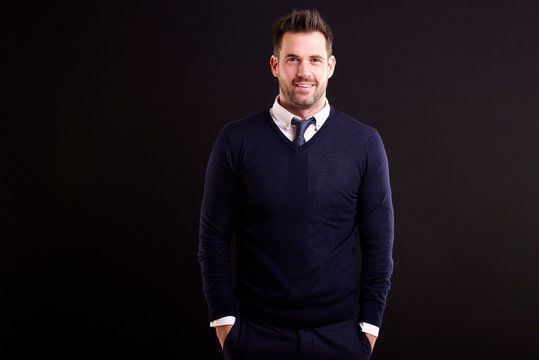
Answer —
295 212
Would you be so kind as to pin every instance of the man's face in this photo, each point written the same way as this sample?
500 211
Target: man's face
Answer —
303 69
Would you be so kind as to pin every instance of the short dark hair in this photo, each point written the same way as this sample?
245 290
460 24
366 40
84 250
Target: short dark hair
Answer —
301 21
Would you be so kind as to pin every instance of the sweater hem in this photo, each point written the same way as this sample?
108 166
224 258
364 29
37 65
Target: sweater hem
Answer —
299 317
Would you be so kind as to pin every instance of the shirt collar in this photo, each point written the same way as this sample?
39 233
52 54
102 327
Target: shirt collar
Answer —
284 116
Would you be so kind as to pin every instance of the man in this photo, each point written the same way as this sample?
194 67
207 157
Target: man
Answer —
295 184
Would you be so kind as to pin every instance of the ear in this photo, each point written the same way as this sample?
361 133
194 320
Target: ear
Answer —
274 63
331 65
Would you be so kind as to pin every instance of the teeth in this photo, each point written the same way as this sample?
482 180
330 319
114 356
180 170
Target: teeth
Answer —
304 86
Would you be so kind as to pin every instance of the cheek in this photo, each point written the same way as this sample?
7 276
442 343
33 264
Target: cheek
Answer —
321 75
287 73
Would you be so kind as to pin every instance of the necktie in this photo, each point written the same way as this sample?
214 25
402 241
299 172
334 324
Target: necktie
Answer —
301 126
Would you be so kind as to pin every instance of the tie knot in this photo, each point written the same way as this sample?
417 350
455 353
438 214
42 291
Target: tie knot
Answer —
297 121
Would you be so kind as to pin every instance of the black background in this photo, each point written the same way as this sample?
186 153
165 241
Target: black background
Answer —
109 113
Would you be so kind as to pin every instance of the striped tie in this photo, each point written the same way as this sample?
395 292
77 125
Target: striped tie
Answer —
301 126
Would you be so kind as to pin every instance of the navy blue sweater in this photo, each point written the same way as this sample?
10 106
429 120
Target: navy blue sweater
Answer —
295 212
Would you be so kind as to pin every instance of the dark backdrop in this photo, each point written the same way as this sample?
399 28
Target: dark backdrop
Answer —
108 118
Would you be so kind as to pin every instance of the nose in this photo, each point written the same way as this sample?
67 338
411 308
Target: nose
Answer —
303 69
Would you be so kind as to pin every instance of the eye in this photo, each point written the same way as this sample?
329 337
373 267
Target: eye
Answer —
292 59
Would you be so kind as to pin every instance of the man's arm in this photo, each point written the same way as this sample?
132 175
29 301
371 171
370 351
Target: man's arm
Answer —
216 229
371 332
222 332
222 327
375 226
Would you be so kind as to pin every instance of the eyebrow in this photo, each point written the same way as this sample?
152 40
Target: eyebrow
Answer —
311 57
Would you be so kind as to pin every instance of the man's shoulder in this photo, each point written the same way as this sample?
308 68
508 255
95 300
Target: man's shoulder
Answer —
247 123
350 124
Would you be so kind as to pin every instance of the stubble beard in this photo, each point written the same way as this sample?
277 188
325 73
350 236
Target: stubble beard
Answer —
293 96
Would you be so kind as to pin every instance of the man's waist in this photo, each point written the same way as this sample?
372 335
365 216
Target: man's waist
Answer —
298 317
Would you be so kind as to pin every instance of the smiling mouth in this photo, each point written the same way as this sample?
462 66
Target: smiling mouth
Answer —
304 86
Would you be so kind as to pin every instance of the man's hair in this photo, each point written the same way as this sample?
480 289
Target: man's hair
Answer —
301 21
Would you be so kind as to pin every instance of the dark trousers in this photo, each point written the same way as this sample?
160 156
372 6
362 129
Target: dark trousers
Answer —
248 340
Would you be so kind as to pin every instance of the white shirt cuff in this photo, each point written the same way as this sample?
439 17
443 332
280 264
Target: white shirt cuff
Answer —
230 320
227 320
369 328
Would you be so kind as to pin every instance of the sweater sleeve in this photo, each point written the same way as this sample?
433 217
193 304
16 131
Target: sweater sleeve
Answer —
375 226
216 229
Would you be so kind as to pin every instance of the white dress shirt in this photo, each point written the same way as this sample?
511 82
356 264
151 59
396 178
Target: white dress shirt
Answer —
282 118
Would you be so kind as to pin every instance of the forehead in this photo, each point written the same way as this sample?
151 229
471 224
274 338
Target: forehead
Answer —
304 44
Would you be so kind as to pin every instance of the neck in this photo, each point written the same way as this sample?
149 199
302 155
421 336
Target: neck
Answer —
303 112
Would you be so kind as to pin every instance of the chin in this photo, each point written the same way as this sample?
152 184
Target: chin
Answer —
304 105
304 101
